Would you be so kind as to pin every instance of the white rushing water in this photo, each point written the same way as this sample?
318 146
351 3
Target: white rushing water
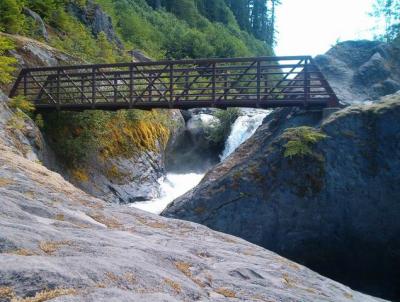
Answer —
172 186
243 128
175 185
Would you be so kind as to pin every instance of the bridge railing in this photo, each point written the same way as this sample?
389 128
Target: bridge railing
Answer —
262 82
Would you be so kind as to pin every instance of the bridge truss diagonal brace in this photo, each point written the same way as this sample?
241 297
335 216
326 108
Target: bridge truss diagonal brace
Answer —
264 82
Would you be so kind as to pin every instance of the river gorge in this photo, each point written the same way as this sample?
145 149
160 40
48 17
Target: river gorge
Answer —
174 185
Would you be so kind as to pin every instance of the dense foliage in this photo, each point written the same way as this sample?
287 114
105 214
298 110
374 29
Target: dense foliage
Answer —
388 13
162 28
257 17
6 62
78 137
172 29
220 132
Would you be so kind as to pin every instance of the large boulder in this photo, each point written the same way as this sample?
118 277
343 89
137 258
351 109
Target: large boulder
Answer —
192 149
58 243
324 192
360 71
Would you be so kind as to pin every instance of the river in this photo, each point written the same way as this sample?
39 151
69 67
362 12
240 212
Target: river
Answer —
174 185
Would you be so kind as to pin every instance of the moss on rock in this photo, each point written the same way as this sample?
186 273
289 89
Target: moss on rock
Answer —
300 141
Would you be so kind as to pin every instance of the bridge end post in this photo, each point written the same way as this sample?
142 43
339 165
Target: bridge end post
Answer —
13 91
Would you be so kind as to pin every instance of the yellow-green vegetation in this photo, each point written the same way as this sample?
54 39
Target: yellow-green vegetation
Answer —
21 103
60 217
17 121
114 173
163 29
22 252
77 136
79 174
300 141
6 62
49 247
130 135
220 132
226 292
184 267
46 295
174 285
6 292
108 221
39 121
22 110
5 182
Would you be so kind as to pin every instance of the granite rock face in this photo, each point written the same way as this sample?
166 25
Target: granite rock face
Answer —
335 209
96 19
21 133
192 149
360 71
42 31
58 243
121 179
32 53
133 179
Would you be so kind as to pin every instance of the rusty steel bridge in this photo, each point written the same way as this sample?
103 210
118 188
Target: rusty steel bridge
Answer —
261 82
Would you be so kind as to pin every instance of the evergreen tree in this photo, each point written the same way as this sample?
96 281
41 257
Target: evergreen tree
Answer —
6 62
388 11
44 7
105 49
11 18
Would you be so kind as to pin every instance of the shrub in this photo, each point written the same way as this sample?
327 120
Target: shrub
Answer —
218 134
300 141
6 63
77 136
11 18
105 49
39 121
22 104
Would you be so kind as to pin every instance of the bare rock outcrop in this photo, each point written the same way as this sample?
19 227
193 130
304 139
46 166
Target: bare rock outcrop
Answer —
323 192
119 179
360 71
58 243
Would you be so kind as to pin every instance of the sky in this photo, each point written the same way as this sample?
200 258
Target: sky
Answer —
311 27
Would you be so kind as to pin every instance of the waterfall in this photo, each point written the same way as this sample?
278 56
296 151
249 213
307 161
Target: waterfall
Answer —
174 185
243 128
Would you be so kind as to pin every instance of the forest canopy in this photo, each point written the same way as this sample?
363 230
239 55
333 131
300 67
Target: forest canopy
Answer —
171 29
388 13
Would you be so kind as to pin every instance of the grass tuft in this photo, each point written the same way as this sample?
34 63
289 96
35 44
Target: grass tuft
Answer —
80 175
5 182
174 285
22 252
110 222
226 292
49 247
6 293
47 295
184 267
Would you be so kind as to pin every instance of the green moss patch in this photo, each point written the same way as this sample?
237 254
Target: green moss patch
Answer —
76 137
300 141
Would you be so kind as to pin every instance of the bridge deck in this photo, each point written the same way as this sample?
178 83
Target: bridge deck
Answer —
263 82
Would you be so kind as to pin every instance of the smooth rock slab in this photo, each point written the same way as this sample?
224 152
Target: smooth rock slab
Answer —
53 235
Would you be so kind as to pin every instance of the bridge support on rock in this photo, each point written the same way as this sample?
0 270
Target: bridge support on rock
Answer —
262 82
